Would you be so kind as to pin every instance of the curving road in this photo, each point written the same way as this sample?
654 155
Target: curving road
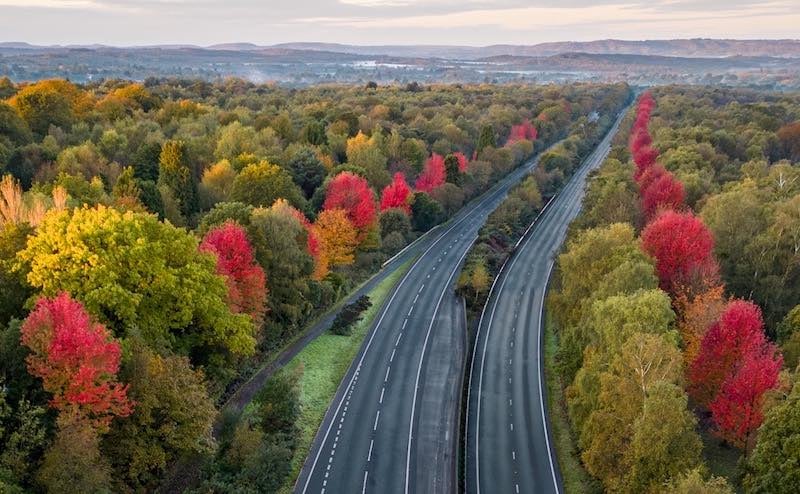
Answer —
391 426
508 444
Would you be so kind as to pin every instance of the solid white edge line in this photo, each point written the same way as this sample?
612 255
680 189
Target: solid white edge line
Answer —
541 393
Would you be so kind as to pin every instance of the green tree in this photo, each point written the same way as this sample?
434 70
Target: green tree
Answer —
172 417
486 138
693 482
174 174
263 183
14 289
73 463
307 170
140 276
425 212
773 464
598 263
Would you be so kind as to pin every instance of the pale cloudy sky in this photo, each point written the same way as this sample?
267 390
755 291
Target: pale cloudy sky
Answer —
468 22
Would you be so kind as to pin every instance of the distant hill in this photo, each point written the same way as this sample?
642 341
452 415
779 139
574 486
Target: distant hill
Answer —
686 48
709 48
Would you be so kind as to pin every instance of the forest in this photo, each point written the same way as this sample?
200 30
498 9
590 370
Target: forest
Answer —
675 300
161 241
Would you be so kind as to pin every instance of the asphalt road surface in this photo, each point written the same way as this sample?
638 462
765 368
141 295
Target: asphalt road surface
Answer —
508 444
391 427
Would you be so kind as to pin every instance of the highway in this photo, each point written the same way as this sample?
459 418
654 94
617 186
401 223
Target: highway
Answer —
508 444
392 424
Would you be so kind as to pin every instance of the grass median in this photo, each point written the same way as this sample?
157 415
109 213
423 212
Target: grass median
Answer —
325 362
576 479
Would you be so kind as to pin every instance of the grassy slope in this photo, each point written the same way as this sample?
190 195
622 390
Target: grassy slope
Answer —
325 362
576 479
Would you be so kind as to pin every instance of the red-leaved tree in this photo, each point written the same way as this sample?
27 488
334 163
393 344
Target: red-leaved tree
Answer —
397 194
665 192
77 360
247 288
351 193
737 410
433 175
525 130
738 332
682 247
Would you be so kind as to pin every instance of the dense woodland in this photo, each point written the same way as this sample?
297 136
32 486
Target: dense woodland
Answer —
676 298
162 241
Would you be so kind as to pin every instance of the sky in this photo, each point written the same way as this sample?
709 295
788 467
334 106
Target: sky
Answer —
407 22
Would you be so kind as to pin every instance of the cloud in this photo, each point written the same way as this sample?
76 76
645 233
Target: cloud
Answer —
674 13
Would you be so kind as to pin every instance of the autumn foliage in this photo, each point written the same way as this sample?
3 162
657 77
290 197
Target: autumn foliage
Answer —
462 161
682 247
640 144
77 361
313 244
351 193
525 130
398 194
246 281
737 411
337 235
433 175
664 192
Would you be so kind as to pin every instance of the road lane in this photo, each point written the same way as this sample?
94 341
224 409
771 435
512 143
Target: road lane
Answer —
508 444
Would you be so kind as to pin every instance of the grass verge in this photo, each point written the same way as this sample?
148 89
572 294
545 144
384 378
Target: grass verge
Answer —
325 362
576 479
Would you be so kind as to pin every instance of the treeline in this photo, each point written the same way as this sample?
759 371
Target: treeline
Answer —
160 240
661 349
506 224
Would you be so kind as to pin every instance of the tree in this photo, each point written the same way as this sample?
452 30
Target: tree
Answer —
349 315
665 192
247 290
307 170
49 102
789 136
426 212
173 417
693 482
337 236
217 183
174 174
312 241
73 463
486 138
772 466
452 166
77 362
640 402
366 153
664 440
14 288
397 194
128 269
433 175
351 194
479 280
263 183
737 410
682 247
695 316
13 126
599 262
283 253
738 333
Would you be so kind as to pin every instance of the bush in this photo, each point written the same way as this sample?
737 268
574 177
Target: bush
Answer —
350 315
